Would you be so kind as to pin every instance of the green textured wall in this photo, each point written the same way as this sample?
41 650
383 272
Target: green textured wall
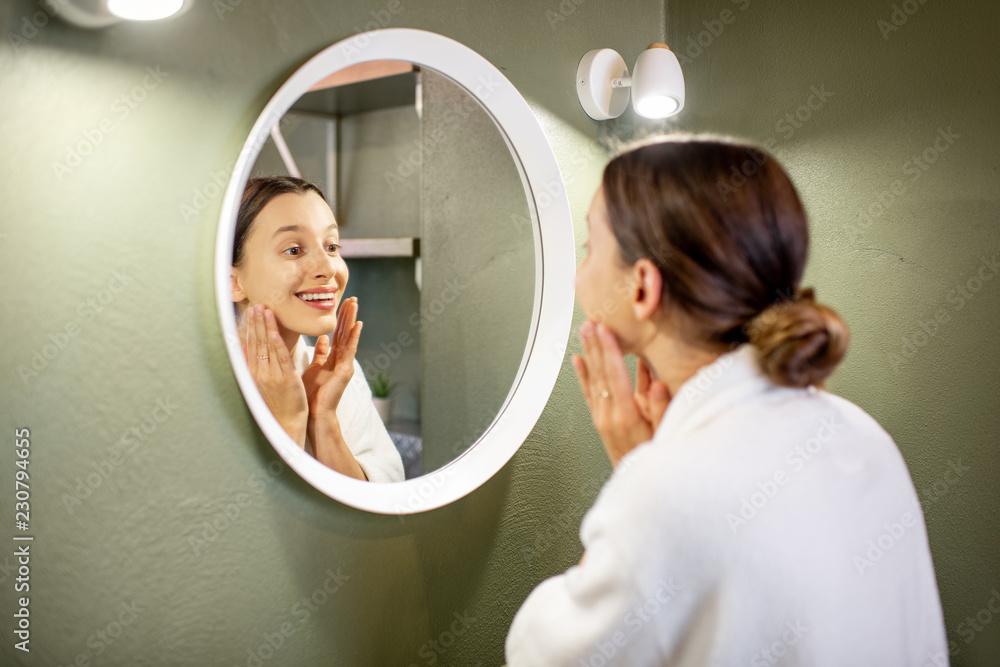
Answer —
214 548
892 242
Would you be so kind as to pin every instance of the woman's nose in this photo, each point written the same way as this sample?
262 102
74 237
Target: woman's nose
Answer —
325 264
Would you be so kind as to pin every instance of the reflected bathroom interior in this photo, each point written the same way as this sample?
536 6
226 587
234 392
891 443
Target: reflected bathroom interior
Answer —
434 221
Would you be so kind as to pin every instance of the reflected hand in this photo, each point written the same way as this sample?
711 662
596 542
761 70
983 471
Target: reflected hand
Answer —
624 419
332 366
272 369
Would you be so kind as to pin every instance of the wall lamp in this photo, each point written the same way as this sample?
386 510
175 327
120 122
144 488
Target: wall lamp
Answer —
103 13
657 83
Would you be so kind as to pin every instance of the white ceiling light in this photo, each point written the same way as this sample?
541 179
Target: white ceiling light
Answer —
657 83
103 13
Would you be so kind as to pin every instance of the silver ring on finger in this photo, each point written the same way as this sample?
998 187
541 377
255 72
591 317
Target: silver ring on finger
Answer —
263 356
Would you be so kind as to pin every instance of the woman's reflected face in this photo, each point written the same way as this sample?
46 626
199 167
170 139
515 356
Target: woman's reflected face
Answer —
292 264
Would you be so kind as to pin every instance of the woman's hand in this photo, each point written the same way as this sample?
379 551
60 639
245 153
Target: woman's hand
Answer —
332 366
624 418
272 369
325 380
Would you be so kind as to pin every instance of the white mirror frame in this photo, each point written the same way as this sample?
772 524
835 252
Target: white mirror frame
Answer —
555 267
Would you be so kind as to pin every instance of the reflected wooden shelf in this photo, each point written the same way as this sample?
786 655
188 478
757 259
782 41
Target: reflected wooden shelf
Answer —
388 247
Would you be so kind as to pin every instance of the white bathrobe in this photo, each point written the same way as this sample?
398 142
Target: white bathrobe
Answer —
360 424
761 526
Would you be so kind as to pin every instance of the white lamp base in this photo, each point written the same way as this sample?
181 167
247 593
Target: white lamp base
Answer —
593 84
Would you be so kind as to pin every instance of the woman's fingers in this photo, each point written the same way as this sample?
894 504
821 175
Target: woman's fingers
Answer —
280 358
352 342
259 335
251 344
659 400
642 378
595 361
346 318
322 350
619 384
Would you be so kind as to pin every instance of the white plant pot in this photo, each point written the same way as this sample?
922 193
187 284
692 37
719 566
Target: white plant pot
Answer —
382 407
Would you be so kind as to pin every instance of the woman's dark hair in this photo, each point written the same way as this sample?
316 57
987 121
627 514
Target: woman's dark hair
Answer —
723 223
258 193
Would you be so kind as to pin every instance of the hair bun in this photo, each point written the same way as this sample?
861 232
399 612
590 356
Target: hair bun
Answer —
800 341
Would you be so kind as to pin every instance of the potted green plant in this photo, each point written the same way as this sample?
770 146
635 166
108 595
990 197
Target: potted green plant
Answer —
382 385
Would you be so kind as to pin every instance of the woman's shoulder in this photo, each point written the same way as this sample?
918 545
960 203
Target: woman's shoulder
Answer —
809 443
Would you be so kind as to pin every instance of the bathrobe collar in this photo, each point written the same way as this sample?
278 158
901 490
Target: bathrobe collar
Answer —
728 381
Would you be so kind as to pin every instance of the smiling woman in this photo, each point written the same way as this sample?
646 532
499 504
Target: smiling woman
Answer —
287 281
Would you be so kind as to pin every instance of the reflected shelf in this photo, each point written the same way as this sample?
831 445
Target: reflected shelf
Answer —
383 247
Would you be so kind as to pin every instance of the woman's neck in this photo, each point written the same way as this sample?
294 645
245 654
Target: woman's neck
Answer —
291 340
674 361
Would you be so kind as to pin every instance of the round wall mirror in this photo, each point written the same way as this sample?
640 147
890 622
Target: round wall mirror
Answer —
455 232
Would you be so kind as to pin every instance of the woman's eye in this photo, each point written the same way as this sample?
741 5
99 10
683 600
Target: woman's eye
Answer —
294 251
332 248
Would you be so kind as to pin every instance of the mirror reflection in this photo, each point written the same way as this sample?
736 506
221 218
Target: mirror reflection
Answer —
410 216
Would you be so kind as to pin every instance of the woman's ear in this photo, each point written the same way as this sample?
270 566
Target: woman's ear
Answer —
238 294
647 292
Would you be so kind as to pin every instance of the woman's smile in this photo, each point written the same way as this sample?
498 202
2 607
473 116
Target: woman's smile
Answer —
321 298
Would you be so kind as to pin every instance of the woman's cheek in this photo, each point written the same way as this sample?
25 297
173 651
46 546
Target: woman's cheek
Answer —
344 275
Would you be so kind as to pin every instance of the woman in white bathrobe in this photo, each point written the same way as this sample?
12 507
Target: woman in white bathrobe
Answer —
751 517
287 280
